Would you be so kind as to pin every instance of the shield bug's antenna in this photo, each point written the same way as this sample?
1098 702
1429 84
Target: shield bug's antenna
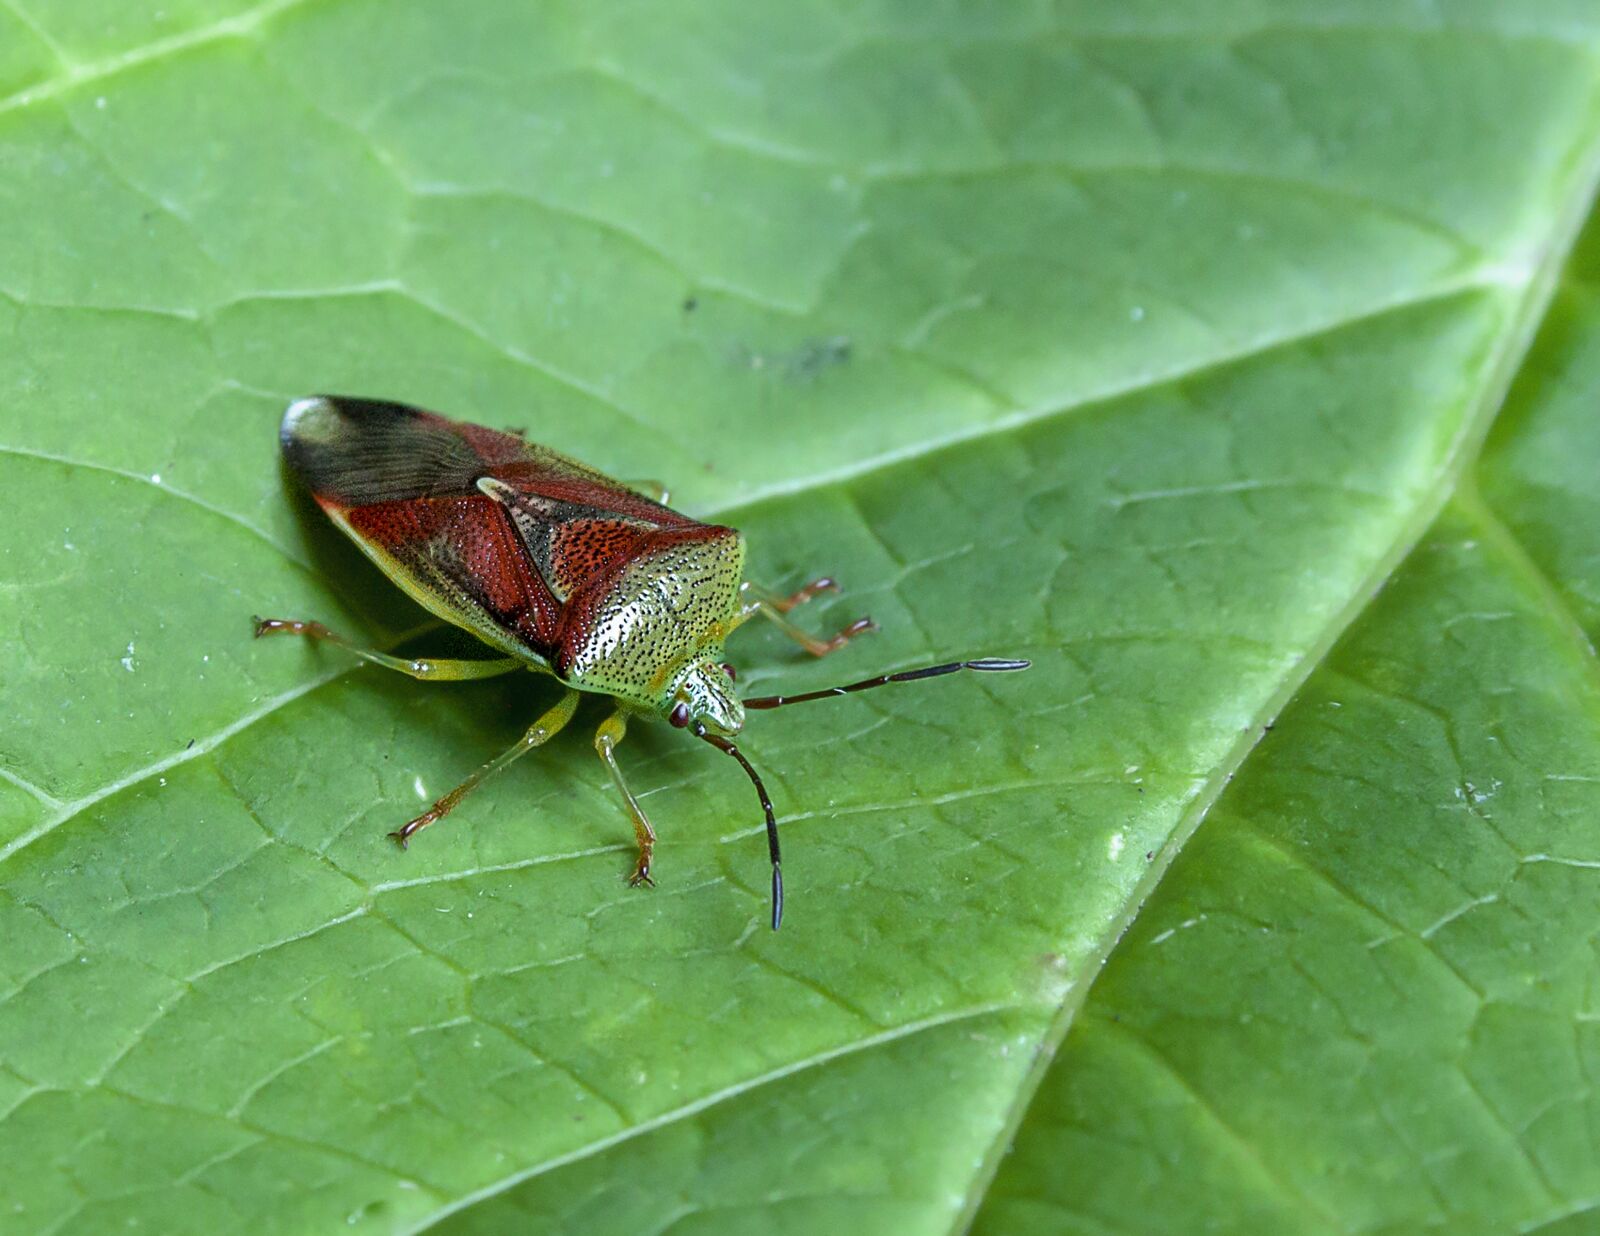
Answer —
866 684
989 664
722 744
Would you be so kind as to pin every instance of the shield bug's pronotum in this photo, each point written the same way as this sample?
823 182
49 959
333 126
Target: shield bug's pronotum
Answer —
562 570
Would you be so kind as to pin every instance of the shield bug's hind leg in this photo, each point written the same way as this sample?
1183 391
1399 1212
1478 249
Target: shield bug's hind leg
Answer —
606 738
774 608
783 604
538 734
427 668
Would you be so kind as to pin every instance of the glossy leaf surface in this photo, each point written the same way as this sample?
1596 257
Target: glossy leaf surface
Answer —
1235 365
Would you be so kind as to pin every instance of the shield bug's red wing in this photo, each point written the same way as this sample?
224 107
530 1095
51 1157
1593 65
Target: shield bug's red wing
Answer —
484 529
617 563
577 525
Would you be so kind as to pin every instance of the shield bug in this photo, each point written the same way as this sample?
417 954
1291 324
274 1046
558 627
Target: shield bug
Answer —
563 571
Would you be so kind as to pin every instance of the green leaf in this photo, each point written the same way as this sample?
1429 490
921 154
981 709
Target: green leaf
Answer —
1234 364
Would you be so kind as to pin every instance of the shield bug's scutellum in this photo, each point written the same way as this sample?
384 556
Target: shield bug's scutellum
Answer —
561 569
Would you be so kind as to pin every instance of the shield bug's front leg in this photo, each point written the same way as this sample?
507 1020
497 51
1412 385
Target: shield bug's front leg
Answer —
426 668
606 738
538 734
773 607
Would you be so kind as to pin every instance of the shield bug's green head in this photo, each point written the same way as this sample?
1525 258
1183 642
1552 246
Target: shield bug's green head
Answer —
703 697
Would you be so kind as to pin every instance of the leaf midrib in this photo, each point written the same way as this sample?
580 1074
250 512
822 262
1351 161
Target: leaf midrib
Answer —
1460 458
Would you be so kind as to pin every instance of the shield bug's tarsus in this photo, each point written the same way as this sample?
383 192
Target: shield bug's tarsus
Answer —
563 571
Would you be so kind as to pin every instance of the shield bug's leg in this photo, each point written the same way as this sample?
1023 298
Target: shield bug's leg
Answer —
757 600
538 734
606 738
783 604
986 664
426 668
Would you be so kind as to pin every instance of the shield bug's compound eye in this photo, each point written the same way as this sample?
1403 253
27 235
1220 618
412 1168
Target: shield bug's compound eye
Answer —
679 716
727 668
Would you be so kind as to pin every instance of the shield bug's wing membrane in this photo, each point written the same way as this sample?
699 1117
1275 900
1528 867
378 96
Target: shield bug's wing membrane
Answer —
362 452
403 484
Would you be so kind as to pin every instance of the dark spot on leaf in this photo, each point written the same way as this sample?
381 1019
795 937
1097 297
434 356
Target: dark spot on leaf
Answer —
818 355
803 364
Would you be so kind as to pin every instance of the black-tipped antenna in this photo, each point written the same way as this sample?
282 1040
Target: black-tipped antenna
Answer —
722 744
866 684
